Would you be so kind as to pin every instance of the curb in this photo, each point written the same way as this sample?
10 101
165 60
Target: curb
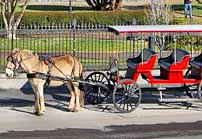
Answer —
17 83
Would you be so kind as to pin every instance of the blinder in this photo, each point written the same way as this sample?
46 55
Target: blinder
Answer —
13 60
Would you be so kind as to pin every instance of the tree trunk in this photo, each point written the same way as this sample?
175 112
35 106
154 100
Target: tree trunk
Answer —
11 33
8 13
105 4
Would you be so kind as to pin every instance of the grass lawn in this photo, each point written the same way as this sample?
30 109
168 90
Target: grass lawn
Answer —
65 44
54 7
197 9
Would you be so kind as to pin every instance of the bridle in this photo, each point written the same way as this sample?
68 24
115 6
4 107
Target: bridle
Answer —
14 61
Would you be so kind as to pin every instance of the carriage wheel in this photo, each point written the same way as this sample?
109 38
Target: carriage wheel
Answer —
200 91
126 97
95 94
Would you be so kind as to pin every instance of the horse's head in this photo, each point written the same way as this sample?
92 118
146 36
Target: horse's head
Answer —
13 63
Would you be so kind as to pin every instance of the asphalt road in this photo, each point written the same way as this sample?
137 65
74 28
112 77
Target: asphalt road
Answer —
166 131
150 120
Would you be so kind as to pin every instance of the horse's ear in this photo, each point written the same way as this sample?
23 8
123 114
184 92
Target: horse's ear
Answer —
16 50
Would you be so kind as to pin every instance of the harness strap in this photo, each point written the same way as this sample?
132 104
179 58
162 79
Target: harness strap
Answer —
50 65
44 76
37 75
47 76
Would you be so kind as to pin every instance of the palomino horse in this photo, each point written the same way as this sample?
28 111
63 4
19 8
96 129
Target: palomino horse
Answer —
64 66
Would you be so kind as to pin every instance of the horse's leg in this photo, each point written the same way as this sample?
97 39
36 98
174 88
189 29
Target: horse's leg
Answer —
77 93
36 97
81 100
41 97
72 99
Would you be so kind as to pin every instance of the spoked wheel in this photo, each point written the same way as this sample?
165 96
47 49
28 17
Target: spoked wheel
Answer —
95 94
126 96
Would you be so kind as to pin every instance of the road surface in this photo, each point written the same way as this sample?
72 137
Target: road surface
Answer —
150 120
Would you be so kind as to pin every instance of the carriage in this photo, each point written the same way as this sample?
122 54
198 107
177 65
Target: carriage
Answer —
125 91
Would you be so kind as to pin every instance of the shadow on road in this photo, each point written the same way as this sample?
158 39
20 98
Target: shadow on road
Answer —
58 98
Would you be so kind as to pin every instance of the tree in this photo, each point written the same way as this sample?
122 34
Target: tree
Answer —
8 13
159 12
105 4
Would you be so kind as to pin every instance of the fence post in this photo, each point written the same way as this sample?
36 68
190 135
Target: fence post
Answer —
12 35
74 37
70 6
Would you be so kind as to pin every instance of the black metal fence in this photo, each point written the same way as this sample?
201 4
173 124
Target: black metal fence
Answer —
94 45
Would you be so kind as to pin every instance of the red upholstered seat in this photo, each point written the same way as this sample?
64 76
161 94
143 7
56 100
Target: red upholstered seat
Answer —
172 67
141 64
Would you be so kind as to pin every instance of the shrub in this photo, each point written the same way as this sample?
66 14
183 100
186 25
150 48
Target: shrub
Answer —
101 17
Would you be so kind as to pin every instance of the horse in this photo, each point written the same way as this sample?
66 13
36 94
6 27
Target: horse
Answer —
63 66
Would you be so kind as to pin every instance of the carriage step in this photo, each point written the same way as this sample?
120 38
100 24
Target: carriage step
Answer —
174 100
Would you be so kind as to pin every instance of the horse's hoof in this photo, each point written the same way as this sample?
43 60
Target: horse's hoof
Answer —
82 105
35 112
76 110
39 114
71 110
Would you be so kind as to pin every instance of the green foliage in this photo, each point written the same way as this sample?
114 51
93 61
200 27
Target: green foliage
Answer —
185 21
102 17
187 42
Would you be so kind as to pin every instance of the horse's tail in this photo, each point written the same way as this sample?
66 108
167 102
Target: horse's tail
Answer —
80 69
76 61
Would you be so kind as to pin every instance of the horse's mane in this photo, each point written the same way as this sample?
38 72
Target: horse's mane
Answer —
25 52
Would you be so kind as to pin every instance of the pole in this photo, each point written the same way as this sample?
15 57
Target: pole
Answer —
151 42
70 6
74 37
